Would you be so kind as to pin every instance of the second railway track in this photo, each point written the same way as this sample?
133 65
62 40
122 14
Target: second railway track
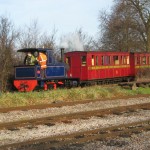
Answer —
123 130
67 118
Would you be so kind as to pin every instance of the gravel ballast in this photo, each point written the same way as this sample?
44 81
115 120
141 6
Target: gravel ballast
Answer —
77 125
37 113
135 142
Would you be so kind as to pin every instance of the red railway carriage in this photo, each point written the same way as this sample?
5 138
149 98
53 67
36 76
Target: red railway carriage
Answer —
96 65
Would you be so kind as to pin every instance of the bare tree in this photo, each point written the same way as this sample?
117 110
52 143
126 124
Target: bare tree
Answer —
30 36
126 28
8 36
141 16
48 40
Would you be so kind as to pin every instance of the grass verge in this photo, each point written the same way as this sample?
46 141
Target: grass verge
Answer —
75 94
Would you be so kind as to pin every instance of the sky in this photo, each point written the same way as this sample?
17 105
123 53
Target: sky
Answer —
65 16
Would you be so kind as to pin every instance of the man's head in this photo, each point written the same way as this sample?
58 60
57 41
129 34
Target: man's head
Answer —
36 54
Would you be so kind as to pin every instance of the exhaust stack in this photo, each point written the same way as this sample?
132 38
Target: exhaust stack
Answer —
62 54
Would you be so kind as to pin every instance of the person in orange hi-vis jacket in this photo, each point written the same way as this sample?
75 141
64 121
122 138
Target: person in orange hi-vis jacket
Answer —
42 59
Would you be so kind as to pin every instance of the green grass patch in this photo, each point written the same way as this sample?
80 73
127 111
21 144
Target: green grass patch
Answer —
143 90
75 94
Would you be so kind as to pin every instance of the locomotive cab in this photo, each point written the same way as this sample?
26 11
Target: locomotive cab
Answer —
27 77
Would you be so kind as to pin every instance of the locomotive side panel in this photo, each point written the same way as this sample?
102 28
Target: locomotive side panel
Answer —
55 71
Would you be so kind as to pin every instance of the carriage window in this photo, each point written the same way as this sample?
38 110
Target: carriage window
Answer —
107 60
116 60
68 60
92 60
124 60
96 60
103 60
83 60
128 61
144 60
122 57
137 60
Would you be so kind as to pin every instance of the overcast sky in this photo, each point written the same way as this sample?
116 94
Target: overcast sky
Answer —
65 15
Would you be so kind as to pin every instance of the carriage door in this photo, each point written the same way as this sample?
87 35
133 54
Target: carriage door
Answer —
83 71
68 67
132 64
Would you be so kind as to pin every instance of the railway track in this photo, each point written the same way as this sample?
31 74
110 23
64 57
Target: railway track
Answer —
67 118
78 137
123 130
43 106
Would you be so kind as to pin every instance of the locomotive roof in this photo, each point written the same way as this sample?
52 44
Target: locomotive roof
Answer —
33 49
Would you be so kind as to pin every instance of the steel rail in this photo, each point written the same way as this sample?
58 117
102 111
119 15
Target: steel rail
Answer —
81 137
67 118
